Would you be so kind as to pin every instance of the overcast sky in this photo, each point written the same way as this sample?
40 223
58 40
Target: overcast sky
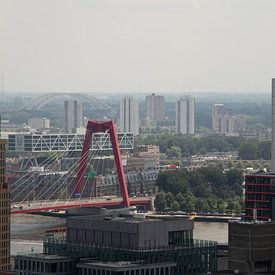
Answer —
137 45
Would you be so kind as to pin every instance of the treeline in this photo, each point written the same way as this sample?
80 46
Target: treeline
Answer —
188 145
207 189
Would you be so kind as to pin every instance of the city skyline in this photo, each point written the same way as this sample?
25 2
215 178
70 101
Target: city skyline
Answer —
139 46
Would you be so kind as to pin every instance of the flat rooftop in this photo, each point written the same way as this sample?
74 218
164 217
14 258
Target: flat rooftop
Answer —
43 256
123 264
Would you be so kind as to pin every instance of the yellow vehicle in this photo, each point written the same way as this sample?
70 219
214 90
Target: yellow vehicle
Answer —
193 215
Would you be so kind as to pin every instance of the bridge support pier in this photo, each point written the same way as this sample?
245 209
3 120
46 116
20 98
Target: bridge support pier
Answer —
95 127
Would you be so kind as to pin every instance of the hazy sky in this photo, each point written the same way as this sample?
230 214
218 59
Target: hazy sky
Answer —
137 45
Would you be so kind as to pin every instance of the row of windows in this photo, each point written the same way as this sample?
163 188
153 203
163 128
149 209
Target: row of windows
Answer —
141 271
180 237
37 266
258 188
260 180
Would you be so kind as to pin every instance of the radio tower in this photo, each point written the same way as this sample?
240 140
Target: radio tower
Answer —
2 85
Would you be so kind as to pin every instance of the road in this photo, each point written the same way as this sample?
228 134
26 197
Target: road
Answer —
29 207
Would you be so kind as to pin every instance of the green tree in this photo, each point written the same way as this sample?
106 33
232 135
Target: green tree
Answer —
205 207
190 202
169 199
175 206
248 150
181 200
264 150
160 202
174 152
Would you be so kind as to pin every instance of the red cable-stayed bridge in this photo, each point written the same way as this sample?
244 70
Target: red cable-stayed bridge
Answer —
72 189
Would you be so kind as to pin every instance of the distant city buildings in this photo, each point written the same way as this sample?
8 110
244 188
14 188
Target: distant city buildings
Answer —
39 123
224 122
260 134
73 112
155 109
185 115
4 212
129 115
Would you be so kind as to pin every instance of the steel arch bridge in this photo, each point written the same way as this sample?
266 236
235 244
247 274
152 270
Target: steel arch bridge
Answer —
38 102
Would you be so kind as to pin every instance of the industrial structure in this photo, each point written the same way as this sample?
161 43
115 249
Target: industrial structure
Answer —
45 188
38 143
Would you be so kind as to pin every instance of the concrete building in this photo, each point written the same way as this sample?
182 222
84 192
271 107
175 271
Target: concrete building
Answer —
4 211
152 242
129 115
260 134
122 245
39 123
73 112
148 151
224 122
252 247
155 109
185 115
126 268
38 264
128 232
217 114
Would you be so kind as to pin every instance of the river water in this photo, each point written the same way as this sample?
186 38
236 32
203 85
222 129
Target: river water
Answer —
27 232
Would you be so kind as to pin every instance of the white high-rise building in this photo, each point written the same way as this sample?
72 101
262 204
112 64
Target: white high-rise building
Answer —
129 115
155 109
185 115
73 115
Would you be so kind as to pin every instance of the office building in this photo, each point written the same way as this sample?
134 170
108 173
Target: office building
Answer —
4 211
117 245
129 115
185 115
73 112
155 109
251 247
39 123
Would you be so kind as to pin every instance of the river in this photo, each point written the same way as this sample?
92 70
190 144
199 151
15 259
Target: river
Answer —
27 232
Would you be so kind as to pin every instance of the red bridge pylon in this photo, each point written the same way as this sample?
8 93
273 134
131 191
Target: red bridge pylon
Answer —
95 127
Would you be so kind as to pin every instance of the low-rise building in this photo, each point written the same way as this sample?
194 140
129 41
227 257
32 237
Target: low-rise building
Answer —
36 264
39 123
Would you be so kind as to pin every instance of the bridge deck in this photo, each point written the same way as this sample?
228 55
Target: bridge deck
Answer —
74 203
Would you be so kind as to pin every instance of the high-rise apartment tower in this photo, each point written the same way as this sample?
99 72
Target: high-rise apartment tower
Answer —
185 115
73 115
4 211
129 115
155 109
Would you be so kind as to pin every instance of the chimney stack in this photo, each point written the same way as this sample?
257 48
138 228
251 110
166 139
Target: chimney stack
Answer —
273 128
